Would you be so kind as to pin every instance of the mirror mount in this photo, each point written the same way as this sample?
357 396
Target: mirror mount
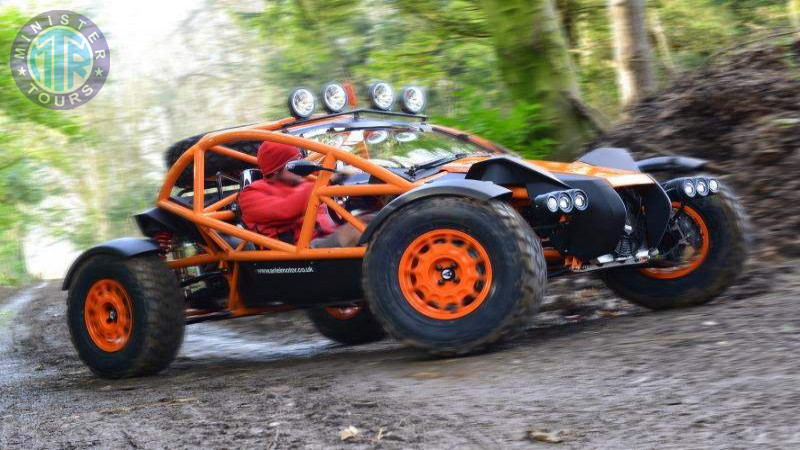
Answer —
304 167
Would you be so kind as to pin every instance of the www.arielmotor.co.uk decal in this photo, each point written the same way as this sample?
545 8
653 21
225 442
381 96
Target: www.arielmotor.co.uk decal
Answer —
60 59
274 270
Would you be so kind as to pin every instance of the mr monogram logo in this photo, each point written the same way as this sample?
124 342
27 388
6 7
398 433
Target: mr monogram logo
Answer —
60 59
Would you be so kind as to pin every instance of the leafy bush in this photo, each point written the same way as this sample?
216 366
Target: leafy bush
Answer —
518 127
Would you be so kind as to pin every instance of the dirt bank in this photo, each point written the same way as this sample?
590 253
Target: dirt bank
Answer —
723 375
742 112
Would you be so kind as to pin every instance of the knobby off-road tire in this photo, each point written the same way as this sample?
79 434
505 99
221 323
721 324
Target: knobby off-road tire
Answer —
354 325
147 307
214 162
725 256
500 260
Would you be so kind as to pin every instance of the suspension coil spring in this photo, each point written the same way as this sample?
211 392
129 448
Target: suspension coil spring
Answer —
164 239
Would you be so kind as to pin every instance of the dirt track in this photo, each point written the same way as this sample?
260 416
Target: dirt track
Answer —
723 375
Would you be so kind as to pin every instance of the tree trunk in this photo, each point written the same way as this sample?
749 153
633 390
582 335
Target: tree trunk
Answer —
662 41
569 19
794 13
632 52
536 66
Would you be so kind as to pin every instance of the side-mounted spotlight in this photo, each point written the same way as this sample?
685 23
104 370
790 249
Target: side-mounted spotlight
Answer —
688 188
562 201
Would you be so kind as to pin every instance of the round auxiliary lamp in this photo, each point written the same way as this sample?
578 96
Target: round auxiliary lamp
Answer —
413 100
302 103
381 96
334 97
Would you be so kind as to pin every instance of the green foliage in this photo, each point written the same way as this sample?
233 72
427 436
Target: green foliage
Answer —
12 263
511 127
12 102
752 15
697 29
440 45
32 143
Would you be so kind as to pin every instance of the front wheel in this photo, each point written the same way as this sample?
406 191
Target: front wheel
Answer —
126 315
703 252
453 275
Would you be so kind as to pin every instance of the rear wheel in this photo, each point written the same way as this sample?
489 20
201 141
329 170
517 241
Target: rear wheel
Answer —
126 316
348 324
703 251
453 275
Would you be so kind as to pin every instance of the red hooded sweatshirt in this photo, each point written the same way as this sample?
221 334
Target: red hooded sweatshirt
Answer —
273 208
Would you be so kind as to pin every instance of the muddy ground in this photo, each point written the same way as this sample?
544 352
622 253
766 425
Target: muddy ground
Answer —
596 373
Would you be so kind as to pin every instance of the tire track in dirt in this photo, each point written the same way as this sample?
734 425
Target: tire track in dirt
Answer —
8 312
718 376
211 341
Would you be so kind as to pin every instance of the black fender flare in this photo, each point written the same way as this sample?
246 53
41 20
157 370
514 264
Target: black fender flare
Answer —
475 189
157 219
122 247
611 157
671 163
512 170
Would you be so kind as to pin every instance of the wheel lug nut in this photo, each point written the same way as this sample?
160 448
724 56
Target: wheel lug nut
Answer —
441 282
439 267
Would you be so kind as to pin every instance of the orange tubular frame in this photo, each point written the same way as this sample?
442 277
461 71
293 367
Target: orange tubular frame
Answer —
211 220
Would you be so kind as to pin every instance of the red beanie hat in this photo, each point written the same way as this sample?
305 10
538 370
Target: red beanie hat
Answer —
272 156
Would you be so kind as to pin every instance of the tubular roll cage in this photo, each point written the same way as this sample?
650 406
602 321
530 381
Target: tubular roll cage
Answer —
211 220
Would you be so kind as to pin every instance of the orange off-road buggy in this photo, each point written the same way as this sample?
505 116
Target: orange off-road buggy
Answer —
462 238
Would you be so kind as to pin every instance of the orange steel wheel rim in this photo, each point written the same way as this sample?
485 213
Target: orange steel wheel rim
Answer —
108 313
445 274
694 260
343 312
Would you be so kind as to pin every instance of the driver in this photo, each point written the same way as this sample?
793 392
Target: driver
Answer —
275 205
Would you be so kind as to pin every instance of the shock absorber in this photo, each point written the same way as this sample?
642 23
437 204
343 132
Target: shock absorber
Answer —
164 239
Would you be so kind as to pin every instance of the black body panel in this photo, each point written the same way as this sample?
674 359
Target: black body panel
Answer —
597 230
122 247
657 211
479 190
300 283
